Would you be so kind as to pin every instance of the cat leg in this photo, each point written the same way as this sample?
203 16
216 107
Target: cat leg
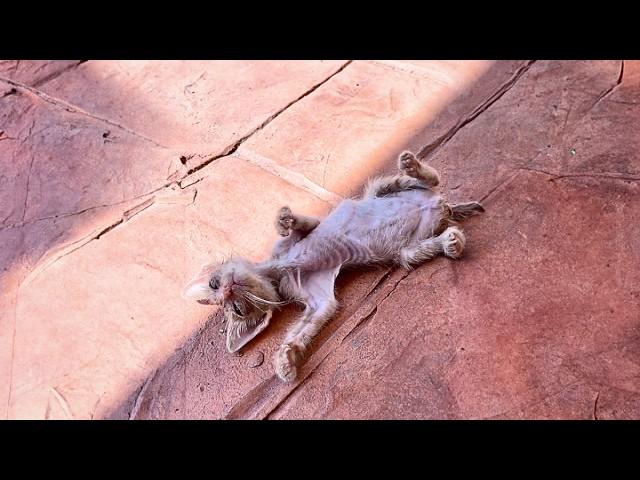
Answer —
413 174
408 164
287 221
321 305
290 355
450 243
381 186
293 228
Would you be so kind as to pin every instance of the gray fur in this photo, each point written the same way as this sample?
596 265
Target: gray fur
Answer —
400 220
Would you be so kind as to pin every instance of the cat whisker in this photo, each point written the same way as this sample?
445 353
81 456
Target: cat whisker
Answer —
252 302
243 295
262 300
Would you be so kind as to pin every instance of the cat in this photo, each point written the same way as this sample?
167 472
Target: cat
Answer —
400 219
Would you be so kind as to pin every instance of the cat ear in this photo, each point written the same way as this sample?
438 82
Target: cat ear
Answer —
241 331
198 289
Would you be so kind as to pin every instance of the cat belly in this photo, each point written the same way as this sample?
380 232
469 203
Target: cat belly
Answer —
368 231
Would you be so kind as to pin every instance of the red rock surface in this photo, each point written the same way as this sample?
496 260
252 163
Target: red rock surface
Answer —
35 73
358 121
122 178
204 107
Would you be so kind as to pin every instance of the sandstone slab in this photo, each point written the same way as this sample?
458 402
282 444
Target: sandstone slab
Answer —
201 107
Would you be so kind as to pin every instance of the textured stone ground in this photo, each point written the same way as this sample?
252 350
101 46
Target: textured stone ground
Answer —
121 178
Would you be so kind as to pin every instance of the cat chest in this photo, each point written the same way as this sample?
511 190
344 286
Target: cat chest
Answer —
357 217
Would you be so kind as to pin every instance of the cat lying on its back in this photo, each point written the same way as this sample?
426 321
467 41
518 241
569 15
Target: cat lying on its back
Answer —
400 219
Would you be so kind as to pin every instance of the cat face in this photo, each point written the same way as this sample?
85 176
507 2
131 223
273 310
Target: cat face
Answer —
246 296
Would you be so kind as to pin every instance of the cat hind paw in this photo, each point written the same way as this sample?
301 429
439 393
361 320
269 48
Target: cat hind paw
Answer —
453 241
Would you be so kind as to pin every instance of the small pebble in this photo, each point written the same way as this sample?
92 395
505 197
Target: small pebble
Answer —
256 360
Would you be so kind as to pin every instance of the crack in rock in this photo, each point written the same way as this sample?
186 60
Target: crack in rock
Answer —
294 178
608 175
56 74
180 357
126 216
502 183
169 185
75 109
229 150
332 344
559 176
137 402
361 323
523 407
371 315
26 194
13 352
62 402
79 212
259 402
11 91
610 90
493 98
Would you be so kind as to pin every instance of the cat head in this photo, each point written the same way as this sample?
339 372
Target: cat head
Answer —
246 295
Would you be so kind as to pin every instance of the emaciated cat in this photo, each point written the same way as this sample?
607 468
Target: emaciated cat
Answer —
400 219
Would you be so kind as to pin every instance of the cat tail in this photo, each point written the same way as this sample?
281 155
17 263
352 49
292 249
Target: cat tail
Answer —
462 211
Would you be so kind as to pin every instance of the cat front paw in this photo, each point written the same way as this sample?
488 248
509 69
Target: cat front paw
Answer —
453 242
409 164
285 363
284 221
